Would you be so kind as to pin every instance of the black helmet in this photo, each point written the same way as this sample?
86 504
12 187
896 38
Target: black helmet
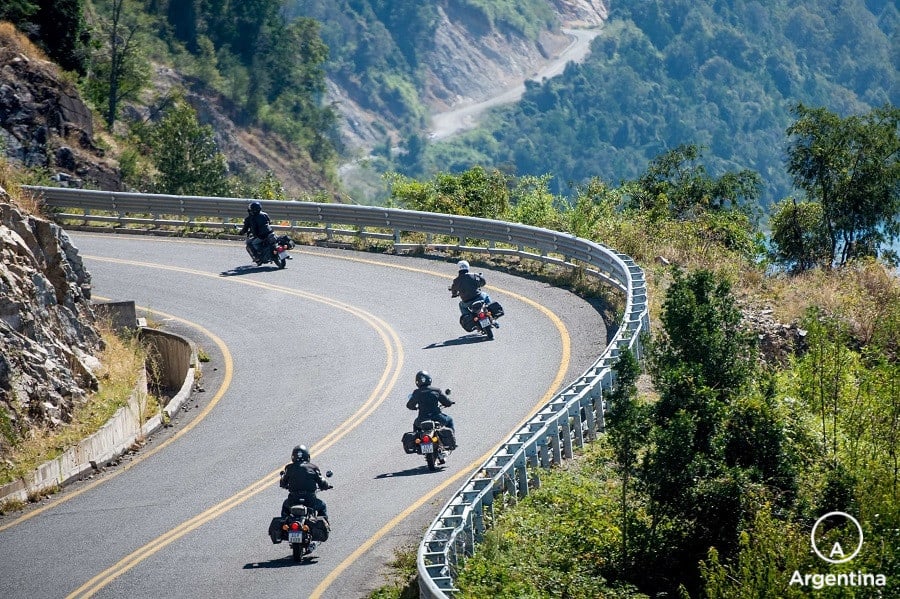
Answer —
423 379
300 454
254 208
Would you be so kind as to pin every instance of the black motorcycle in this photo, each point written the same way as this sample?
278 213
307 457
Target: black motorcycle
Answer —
274 249
431 439
303 528
481 317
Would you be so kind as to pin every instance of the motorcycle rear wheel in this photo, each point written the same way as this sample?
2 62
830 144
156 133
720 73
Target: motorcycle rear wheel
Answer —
297 551
431 460
281 262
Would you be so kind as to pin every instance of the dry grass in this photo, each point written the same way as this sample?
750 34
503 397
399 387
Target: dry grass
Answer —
864 294
13 41
122 361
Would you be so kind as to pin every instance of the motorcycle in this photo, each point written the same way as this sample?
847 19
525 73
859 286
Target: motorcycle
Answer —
481 317
431 439
274 249
303 528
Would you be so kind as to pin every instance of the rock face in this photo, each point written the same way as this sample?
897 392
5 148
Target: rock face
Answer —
44 123
47 327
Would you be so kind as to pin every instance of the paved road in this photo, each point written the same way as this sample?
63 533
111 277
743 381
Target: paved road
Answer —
322 353
465 116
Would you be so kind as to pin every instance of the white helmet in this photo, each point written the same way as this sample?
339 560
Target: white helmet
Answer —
462 265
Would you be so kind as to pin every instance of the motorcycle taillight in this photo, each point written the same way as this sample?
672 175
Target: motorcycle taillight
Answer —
426 439
295 526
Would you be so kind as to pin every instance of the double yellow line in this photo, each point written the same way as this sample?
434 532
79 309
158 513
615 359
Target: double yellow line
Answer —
381 392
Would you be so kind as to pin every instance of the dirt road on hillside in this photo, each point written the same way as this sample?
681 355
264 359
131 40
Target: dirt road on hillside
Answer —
465 116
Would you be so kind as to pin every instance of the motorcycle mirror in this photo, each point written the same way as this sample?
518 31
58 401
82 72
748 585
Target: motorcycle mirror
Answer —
281 473
447 392
329 473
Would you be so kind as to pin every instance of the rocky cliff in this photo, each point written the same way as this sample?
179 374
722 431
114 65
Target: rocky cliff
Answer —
47 333
43 121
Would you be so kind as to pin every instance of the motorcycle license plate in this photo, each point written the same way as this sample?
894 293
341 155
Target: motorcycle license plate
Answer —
283 255
427 448
295 537
485 323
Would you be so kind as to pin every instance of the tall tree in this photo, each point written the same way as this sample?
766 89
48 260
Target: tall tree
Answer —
627 427
186 156
183 16
851 167
119 71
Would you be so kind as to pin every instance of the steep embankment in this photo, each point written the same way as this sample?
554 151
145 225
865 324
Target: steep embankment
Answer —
47 333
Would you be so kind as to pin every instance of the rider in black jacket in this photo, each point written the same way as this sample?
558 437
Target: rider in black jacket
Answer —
467 287
428 401
302 478
259 225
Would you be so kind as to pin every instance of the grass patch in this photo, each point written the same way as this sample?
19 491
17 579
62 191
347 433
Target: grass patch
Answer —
122 361
202 355
404 577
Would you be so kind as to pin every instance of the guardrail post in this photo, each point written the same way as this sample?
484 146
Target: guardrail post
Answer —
570 431
556 444
478 524
545 455
522 474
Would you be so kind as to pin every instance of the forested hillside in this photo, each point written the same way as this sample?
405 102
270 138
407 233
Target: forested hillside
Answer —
723 75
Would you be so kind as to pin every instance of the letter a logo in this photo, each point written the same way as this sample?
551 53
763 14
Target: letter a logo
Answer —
836 550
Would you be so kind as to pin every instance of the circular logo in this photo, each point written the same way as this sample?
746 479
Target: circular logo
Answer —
836 549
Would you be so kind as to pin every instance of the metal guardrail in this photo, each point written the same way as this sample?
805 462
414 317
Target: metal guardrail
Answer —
570 418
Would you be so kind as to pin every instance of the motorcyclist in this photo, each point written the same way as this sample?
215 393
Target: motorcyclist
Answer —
467 287
302 478
258 224
428 401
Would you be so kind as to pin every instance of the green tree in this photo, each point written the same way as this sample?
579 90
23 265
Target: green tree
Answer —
851 167
627 427
119 70
186 156
63 32
677 184
701 363
533 204
799 237
476 192
17 11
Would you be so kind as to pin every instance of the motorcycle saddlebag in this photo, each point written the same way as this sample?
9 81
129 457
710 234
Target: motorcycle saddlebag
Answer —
495 309
275 530
409 442
468 322
318 529
448 439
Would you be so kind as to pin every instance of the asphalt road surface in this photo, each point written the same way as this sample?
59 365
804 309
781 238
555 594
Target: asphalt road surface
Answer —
322 353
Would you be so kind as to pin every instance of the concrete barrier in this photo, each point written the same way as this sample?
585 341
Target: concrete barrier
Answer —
176 365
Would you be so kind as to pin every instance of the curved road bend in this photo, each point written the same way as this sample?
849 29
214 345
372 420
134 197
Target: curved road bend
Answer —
324 353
